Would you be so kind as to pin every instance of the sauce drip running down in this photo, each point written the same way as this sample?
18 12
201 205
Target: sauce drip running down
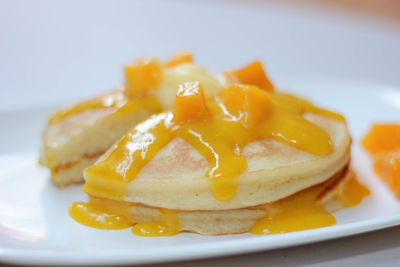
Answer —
168 225
305 210
218 129
300 211
97 216
115 215
113 100
219 138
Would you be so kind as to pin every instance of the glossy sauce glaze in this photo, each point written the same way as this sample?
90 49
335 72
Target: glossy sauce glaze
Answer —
167 225
352 192
236 117
218 129
109 100
304 210
300 211
114 100
148 84
114 215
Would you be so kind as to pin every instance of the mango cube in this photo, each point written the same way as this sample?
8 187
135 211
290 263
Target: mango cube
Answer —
383 142
142 77
179 58
387 166
252 74
248 103
382 138
190 103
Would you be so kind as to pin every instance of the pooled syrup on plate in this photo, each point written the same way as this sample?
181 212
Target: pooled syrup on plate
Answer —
300 211
114 215
304 210
168 225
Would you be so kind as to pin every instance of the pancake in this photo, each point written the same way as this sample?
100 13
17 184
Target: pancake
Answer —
174 178
76 136
331 195
247 159
76 141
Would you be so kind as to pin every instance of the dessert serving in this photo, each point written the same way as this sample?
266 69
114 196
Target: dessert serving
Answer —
239 157
76 136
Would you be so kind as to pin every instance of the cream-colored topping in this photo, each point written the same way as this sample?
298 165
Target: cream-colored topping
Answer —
186 73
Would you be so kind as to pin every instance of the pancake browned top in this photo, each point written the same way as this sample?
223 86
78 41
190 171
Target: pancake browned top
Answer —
175 177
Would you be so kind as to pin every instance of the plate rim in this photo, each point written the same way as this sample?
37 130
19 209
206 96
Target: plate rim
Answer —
182 252
208 250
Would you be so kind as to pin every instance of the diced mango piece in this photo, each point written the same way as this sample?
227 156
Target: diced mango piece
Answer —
179 58
142 77
383 142
382 138
248 103
387 166
190 103
252 74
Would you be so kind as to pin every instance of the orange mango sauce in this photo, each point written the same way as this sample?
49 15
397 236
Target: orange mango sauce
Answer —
353 191
168 225
383 143
303 210
122 102
134 97
115 100
97 215
142 78
220 138
219 129
300 211
115 215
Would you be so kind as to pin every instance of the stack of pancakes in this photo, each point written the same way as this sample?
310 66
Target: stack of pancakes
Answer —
287 171
171 191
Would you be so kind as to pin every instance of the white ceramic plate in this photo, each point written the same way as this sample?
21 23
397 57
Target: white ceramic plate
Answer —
35 227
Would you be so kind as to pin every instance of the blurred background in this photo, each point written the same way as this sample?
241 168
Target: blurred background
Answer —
60 51
56 52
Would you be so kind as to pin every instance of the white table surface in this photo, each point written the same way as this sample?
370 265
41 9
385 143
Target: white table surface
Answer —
379 248
62 51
